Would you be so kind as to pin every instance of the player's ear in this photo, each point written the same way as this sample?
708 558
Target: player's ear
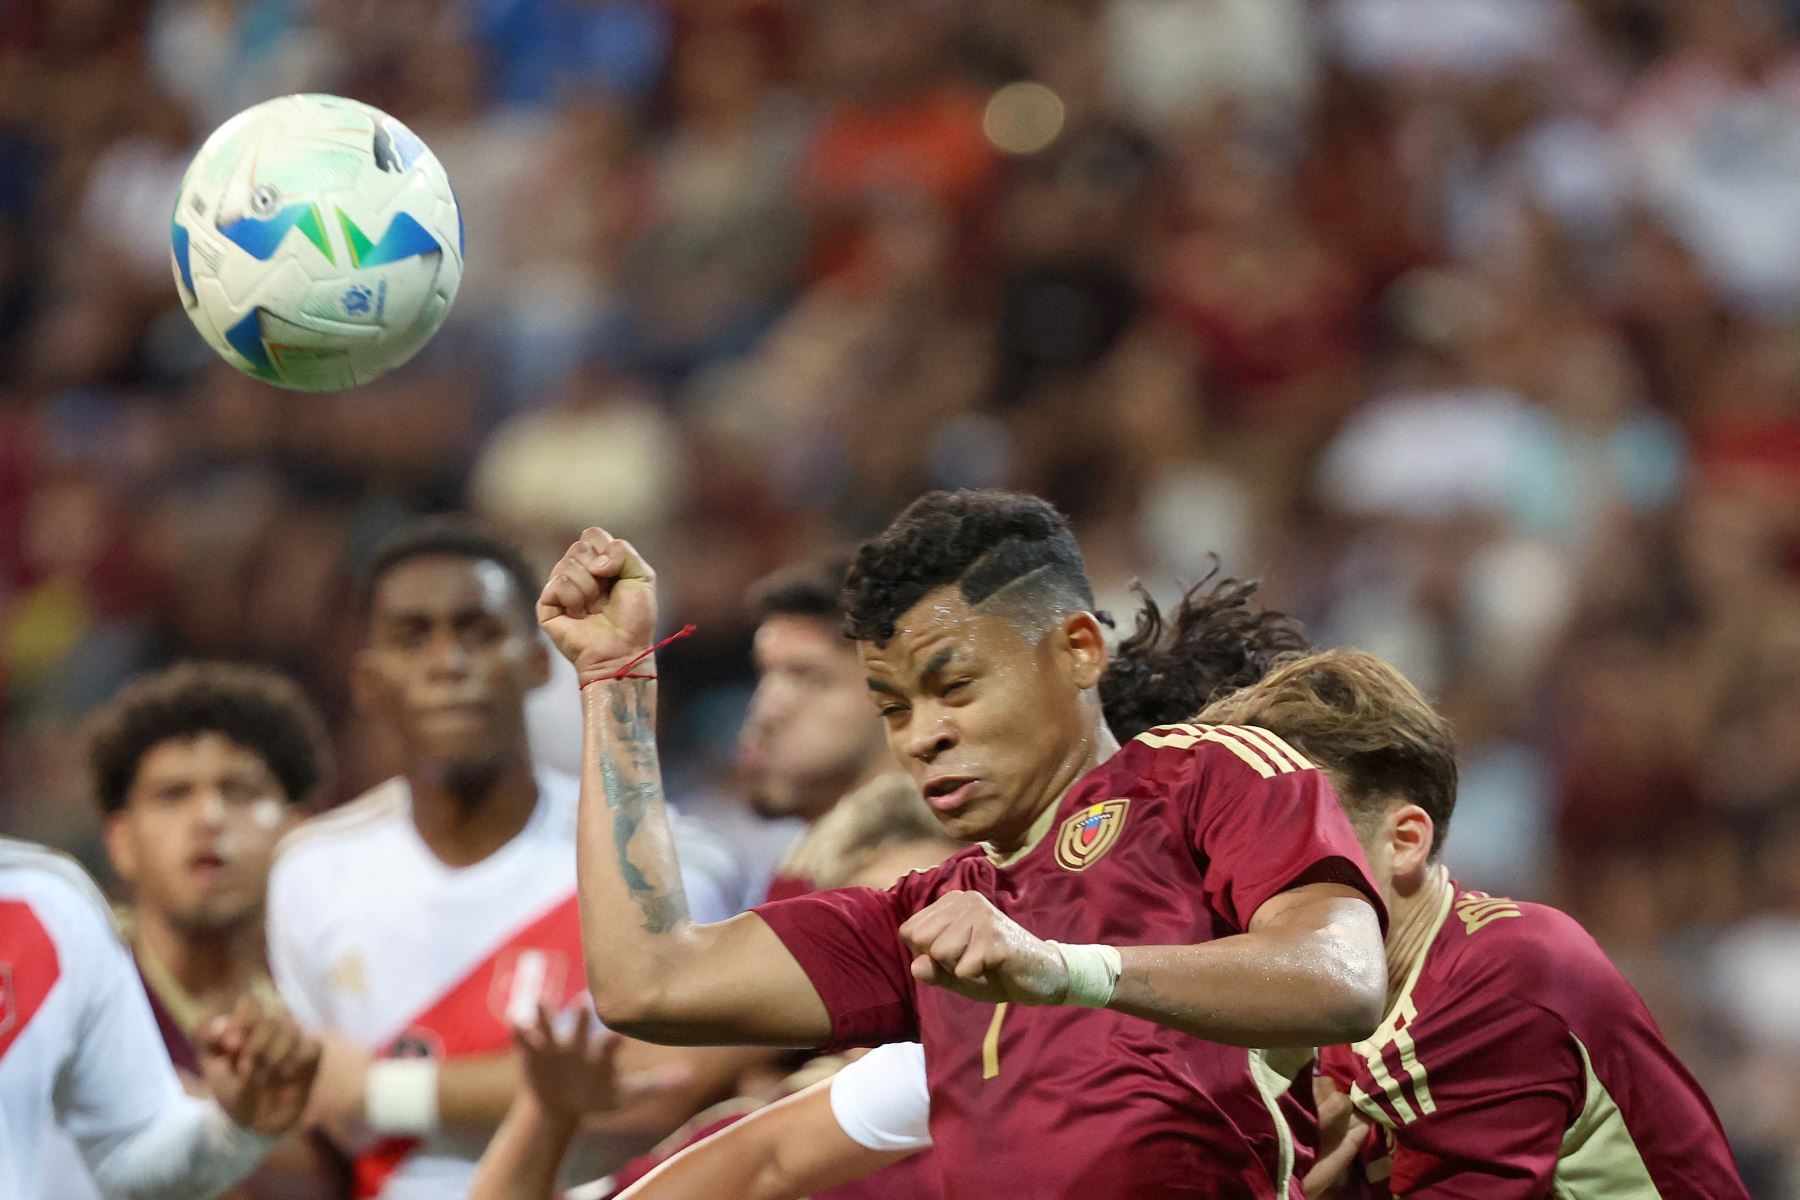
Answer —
1410 833
1085 644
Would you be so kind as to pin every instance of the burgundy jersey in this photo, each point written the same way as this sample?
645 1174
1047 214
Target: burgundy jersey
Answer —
1519 1063
1178 839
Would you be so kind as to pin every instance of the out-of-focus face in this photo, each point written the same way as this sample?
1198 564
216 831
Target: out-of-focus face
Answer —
449 658
197 832
885 867
991 722
811 734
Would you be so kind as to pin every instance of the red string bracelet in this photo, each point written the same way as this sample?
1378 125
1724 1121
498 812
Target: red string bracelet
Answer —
625 672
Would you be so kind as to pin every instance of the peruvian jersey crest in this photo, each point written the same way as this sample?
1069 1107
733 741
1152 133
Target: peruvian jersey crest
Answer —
1088 833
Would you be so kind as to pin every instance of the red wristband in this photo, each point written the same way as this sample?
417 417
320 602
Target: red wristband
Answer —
625 672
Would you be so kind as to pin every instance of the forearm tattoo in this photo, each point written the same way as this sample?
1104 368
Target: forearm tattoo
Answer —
629 778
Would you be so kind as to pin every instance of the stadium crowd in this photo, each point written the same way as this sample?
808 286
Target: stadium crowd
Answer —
1468 325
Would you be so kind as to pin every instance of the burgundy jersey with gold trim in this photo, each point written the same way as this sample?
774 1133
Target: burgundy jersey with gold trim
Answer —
1518 1063
1176 840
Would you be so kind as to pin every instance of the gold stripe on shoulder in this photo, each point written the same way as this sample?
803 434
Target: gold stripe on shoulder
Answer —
382 801
1257 758
1271 741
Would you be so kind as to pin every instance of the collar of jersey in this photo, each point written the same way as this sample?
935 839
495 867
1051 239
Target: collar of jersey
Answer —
1411 958
1033 836
175 999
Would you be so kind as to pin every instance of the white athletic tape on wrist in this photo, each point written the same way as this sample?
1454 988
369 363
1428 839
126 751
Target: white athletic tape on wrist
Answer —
1093 973
401 1096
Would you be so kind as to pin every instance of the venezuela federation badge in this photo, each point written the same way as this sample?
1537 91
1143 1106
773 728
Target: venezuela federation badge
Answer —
1088 833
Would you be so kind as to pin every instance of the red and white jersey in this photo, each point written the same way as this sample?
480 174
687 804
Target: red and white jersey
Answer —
78 1046
373 937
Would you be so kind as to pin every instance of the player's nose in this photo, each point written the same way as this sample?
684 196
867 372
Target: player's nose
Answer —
930 740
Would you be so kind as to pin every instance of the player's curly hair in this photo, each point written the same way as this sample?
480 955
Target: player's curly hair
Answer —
1169 668
449 535
982 541
1365 723
261 711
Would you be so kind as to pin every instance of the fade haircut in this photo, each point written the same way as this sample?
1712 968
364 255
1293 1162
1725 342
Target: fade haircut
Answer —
985 542
1169 668
254 708
449 535
1366 724
805 589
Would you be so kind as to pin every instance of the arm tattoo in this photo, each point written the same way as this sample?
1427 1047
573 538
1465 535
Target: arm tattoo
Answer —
628 776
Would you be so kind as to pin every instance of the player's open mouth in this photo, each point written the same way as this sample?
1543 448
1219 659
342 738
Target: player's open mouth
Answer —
210 868
947 793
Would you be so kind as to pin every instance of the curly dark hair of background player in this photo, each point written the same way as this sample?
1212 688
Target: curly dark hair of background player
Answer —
450 535
1216 641
257 709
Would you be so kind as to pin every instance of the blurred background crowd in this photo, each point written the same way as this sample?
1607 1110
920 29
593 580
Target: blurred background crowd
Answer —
1471 326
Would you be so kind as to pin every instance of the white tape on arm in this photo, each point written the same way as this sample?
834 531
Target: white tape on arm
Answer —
402 1095
1093 973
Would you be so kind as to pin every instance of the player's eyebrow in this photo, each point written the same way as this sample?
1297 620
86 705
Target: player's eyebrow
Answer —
880 685
938 662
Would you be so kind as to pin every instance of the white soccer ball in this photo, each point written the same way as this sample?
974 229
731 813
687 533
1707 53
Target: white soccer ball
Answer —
316 242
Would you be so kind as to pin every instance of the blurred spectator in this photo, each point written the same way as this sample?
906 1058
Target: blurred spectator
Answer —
1471 324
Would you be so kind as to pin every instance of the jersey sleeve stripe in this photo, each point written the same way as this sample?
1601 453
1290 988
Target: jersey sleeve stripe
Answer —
1272 744
1254 757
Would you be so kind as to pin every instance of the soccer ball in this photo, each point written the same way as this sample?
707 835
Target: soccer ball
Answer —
316 242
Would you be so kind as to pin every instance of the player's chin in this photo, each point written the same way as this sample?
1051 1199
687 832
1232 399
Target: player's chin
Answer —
971 823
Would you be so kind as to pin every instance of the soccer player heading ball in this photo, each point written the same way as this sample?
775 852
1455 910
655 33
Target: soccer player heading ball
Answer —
1081 979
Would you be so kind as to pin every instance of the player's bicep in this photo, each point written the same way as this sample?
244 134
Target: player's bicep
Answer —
1320 908
738 984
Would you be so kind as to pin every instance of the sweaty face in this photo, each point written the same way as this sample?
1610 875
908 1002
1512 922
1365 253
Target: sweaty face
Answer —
810 734
197 831
449 658
991 722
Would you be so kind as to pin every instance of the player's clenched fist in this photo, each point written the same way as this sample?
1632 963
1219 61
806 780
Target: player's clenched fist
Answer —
600 605
962 943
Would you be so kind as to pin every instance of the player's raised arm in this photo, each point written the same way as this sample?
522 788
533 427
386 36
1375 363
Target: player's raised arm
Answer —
654 972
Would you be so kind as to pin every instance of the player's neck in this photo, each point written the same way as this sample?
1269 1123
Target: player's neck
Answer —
464 816
1085 754
209 968
1411 922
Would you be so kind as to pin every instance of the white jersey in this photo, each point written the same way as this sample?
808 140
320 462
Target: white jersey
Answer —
373 937
881 1100
78 1046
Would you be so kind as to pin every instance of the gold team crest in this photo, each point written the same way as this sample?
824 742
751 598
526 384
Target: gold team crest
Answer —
1088 833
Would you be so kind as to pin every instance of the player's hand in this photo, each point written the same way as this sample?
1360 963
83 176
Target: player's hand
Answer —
259 1066
600 605
1342 1132
576 1075
962 943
